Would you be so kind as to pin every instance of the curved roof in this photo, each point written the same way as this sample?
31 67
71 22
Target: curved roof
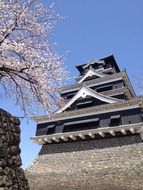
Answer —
91 72
85 91
104 60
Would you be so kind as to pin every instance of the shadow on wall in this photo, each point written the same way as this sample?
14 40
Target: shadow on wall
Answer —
89 145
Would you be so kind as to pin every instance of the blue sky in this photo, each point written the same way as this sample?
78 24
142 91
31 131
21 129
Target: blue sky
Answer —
93 29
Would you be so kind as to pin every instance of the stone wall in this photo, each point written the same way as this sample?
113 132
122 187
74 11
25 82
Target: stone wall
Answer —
107 164
12 177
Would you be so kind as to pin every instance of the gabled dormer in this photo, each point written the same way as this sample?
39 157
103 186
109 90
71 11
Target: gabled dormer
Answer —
90 74
84 94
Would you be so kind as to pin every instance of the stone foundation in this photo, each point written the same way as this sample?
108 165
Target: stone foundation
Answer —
106 164
12 177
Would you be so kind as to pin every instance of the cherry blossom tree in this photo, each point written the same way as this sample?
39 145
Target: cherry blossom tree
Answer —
31 72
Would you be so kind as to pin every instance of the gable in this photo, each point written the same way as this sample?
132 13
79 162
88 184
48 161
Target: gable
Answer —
83 93
91 72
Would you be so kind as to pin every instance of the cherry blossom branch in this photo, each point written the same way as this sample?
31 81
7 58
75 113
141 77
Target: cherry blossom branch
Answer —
31 72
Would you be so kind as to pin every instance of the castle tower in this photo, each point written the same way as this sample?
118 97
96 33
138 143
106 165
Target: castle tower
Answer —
94 141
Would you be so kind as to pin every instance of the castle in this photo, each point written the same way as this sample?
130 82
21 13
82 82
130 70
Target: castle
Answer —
93 142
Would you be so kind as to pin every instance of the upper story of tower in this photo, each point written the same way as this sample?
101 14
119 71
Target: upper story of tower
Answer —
101 67
101 103
99 82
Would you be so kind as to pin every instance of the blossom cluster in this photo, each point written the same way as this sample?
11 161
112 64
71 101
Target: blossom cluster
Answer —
31 72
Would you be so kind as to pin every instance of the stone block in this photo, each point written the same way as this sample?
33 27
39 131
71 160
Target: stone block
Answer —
107 164
3 152
3 162
10 160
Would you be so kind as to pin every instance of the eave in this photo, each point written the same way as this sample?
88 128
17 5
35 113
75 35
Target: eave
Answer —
128 83
85 91
111 58
94 82
118 91
91 72
99 81
106 108
103 61
106 132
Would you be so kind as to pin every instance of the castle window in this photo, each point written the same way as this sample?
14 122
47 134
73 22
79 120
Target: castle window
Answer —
51 129
115 120
100 66
104 88
70 95
108 65
81 125
109 72
84 104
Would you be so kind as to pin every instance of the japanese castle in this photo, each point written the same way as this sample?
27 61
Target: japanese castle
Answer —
95 141
101 104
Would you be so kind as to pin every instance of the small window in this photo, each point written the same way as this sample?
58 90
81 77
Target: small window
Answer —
81 125
108 65
115 120
100 66
84 104
69 96
104 88
109 73
95 66
51 129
